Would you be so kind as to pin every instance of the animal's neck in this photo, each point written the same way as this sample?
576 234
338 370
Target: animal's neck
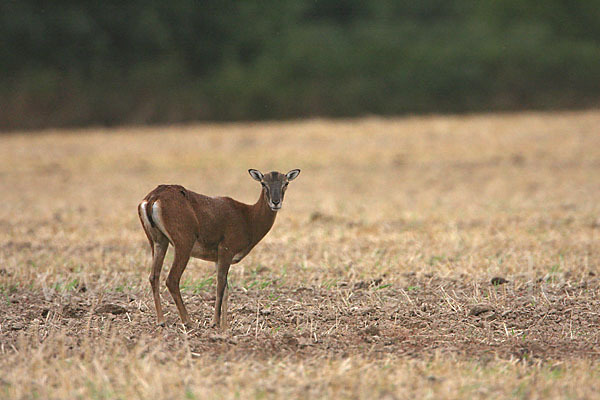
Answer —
262 218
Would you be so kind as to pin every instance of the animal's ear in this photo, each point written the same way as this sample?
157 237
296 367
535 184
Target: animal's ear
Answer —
256 174
292 174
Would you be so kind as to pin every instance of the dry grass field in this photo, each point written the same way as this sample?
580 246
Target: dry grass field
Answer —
375 282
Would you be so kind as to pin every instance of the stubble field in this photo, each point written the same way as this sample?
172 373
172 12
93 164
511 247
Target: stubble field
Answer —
383 277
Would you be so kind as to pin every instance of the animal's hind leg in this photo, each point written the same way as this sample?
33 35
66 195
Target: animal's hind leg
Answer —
182 256
159 245
158 256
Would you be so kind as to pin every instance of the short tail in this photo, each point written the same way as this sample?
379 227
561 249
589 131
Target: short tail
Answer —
149 215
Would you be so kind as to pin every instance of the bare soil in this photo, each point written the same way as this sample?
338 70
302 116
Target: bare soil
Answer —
526 320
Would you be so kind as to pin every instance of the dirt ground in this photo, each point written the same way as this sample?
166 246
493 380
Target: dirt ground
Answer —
431 257
426 315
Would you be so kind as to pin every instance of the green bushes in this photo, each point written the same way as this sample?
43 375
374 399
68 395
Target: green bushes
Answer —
71 63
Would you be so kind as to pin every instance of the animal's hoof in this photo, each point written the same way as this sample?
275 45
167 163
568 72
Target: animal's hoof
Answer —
161 324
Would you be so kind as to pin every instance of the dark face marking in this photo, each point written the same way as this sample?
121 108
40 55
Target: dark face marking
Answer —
274 185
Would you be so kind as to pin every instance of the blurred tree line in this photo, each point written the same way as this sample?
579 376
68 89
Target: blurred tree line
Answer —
69 63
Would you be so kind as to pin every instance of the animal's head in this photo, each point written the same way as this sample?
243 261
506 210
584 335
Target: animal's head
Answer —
274 185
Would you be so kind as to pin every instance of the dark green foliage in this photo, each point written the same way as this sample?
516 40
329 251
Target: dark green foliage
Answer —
111 62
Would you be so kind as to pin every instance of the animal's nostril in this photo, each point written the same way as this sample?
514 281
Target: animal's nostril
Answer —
276 202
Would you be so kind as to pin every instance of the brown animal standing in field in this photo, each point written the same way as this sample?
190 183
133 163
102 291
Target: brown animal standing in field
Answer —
217 229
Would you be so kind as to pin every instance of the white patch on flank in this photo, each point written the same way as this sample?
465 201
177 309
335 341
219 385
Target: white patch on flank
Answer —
149 228
144 216
158 220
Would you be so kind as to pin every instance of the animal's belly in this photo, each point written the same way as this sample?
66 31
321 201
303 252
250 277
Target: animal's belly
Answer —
200 250
210 253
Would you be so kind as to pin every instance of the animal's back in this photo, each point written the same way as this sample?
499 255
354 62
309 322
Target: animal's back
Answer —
212 216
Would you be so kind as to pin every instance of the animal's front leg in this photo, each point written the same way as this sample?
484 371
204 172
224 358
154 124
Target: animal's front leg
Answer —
223 263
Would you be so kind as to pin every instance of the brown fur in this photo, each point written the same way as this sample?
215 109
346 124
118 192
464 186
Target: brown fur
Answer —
217 229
